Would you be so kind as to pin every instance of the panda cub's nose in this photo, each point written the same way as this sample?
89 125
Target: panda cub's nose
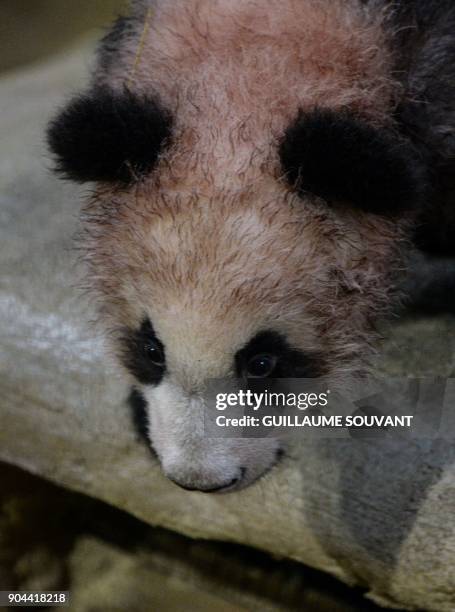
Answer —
215 488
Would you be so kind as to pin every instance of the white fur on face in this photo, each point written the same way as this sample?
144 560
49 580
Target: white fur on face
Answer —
188 456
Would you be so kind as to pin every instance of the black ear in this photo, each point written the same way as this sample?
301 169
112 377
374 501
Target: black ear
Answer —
108 136
340 158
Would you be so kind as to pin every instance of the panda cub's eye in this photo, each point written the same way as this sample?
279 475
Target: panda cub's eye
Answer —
155 353
143 354
261 366
269 355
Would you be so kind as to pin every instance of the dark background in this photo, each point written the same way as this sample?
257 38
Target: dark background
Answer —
33 29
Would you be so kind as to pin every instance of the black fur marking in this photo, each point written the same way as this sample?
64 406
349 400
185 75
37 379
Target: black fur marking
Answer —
126 29
340 158
424 58
291 363
429 286
108 136
109 47
435 230
136 355
139 416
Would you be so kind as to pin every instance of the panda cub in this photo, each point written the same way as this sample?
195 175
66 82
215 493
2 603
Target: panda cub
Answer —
260 170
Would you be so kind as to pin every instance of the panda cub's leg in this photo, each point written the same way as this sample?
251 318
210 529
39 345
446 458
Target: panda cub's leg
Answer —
426 62
429 285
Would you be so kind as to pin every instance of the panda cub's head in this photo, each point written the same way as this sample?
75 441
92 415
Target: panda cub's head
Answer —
250 207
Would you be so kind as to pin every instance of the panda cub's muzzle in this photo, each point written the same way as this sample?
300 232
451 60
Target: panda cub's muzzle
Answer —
170 418
173 428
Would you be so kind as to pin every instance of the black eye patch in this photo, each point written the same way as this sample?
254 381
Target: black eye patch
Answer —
341 158
108 136
138 407
290 362
142 354
139 417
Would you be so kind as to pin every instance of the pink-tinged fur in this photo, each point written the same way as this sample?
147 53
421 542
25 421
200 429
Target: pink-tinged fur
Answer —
214 245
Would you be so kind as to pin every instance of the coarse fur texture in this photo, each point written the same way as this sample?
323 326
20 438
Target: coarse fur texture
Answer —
341 159
108 136
213 246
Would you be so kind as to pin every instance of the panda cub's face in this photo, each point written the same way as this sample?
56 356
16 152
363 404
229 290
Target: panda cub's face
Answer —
205 272
240 282
213 290
238 229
